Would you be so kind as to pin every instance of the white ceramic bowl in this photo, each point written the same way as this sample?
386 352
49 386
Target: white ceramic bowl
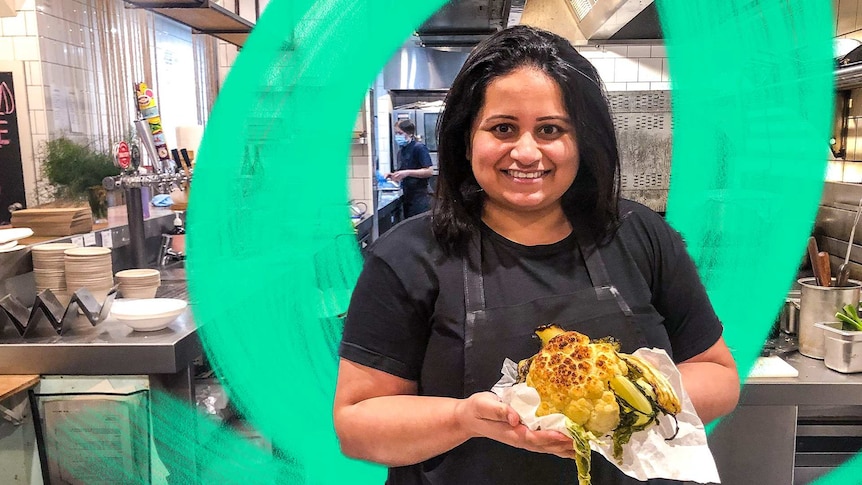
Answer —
149 314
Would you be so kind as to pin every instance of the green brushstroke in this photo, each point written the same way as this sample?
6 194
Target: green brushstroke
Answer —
272 253
272 259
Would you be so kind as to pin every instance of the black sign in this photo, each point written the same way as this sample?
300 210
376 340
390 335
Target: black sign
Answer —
11 171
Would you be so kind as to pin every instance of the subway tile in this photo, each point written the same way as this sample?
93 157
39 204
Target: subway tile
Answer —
358 188
665 69
657 51
34 73
649 69
605 68
637 86
35 97
362 170
26 48
7 49
25 5
625 70
14 26
30 23
615 86
660 86
37 122
638 51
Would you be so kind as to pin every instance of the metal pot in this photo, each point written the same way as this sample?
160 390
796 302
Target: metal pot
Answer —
788 319
819 304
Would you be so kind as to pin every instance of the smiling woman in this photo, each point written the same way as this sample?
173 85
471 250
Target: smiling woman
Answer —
528 229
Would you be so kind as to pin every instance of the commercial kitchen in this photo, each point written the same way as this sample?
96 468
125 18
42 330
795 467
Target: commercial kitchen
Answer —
138 79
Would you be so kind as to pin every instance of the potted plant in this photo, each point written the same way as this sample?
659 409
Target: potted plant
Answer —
77 171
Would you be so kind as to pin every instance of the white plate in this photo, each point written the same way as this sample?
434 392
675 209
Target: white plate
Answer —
13 248
146 315
15 233
8 245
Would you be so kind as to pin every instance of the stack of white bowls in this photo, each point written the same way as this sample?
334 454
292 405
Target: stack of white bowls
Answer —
138 283
89 268
49 269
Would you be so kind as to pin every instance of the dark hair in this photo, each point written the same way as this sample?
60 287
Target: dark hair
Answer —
591 203
406 126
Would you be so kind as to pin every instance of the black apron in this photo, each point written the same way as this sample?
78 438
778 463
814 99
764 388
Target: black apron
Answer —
493 334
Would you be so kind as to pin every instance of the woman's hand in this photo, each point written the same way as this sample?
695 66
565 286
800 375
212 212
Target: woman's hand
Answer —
484 415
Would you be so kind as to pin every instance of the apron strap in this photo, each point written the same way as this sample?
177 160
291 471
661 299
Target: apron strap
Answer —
474 284
598 273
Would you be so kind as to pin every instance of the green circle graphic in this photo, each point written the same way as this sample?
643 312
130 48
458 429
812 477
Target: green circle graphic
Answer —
273 256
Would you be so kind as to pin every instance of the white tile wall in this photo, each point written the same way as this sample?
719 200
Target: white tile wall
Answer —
629 67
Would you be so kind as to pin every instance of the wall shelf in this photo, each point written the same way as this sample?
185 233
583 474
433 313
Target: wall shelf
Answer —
203 16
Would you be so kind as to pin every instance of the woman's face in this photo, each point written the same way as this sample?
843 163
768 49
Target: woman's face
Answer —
522 147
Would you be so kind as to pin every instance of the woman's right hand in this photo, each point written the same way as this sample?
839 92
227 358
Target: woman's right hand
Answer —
484 415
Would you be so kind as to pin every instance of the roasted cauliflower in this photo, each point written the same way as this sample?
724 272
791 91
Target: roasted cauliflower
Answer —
598 388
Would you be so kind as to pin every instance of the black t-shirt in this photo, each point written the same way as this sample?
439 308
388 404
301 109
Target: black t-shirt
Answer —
414 156
406 315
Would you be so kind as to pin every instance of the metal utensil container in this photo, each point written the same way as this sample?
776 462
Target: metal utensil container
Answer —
843 348
820 304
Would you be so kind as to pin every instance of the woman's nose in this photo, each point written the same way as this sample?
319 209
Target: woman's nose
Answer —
526 150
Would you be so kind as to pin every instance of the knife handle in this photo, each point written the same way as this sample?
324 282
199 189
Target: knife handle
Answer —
824 268
812 257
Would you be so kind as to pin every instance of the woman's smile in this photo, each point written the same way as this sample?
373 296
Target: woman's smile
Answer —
522 176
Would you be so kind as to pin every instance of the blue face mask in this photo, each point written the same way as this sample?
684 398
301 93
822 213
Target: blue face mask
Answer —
401 140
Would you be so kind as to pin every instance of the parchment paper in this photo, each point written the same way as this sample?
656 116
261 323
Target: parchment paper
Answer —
647 455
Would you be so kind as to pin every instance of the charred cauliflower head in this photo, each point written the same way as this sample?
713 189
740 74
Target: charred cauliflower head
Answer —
572 378
598 388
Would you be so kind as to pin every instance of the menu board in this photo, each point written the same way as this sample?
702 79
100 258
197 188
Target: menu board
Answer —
11 171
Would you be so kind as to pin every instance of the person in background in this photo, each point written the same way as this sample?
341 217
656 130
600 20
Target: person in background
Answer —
528 229
414 169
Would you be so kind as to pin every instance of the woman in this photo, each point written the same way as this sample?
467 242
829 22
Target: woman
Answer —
414 169
528 229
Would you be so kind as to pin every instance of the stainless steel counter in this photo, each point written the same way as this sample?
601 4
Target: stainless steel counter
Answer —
165 356
816 385
109 348
759 441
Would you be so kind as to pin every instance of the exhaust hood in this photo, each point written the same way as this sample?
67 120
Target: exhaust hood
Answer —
617 20
464 23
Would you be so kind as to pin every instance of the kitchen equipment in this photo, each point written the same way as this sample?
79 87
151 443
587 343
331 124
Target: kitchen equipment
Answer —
824 271
138 283
812 256
91 268
424 115
788 319
358 209
819 304
843 348
147 315
844 269
772 366
14 234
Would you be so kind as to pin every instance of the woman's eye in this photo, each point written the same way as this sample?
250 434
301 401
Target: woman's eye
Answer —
503 129
550 130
